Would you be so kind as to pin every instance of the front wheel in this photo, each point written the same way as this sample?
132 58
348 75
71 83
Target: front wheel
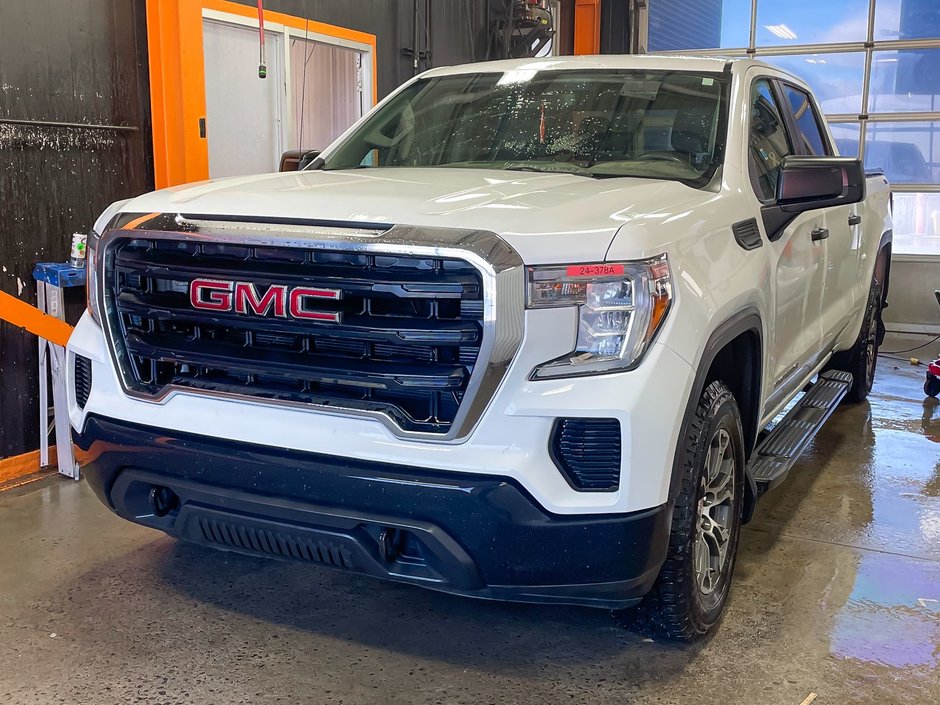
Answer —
692 588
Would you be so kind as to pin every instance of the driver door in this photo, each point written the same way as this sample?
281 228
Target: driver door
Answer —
797 255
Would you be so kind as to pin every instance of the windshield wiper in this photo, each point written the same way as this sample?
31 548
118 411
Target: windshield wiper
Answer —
576 171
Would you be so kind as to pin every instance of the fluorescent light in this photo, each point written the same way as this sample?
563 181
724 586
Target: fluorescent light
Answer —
781 31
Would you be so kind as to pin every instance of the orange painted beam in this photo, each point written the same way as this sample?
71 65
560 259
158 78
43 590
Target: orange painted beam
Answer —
18 469
587 27
166 111
21 314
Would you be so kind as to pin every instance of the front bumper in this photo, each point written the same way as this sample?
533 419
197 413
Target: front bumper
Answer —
511 439
469 534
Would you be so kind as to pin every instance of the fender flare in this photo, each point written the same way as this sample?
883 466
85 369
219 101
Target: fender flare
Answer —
747 320
887 240
880 266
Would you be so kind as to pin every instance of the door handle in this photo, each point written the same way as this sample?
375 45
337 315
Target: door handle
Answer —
855 219
819 234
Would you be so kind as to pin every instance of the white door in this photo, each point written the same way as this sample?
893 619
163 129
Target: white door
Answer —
797 260
243 111
799 294
841 241
842 256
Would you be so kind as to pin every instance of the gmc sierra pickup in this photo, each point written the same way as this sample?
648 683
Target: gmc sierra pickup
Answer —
538 330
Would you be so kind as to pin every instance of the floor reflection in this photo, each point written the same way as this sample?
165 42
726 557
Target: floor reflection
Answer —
890 618
892 615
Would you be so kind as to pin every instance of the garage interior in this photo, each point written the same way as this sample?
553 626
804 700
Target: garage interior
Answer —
836 596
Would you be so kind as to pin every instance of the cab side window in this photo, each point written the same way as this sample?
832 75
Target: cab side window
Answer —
767 140
810 136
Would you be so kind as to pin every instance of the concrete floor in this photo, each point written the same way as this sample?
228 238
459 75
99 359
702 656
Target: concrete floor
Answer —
836 593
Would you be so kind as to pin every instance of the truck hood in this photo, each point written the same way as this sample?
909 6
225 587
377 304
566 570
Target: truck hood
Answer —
544 217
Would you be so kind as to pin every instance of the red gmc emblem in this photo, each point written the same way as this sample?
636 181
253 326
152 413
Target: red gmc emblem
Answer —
278 299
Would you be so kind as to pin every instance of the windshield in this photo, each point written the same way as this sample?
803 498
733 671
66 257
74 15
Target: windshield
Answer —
652 124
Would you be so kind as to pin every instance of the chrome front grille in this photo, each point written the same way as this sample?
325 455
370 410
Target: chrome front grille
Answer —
404 339
423 334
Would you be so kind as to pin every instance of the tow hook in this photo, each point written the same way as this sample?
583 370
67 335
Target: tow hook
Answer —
390 544
163 500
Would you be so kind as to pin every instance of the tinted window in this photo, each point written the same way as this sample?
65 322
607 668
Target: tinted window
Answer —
810 136
767 140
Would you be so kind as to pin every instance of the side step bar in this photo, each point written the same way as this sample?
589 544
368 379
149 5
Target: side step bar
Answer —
782 447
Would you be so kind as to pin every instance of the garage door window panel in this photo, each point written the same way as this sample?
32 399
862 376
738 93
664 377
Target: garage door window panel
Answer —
836 79
906 19
905 81
811 22
916 218
846 136
908 152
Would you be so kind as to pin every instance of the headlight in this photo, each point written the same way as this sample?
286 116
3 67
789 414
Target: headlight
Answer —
91 274
621 306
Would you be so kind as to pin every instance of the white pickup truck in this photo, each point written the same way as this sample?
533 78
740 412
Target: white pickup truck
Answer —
524 332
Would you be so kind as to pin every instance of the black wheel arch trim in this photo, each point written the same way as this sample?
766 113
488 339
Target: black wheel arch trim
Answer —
747 320
887 240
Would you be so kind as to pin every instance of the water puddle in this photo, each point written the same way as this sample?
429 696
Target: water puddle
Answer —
892 617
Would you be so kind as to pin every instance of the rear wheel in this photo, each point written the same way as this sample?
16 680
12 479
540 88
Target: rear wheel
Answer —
692 588
862 358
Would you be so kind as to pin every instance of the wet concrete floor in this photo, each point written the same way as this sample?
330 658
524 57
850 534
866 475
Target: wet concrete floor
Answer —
836 593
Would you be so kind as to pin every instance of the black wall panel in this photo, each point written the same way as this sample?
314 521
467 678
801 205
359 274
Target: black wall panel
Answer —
456 29
78 61
615 27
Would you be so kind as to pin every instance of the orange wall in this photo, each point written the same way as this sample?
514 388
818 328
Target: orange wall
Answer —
178 83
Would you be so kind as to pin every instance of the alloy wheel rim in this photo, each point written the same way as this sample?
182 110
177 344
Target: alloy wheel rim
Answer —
715 513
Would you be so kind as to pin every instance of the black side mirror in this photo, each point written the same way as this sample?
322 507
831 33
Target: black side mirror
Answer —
297 159
307 158
809 183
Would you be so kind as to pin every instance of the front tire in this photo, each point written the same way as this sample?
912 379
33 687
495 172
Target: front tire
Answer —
689 595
